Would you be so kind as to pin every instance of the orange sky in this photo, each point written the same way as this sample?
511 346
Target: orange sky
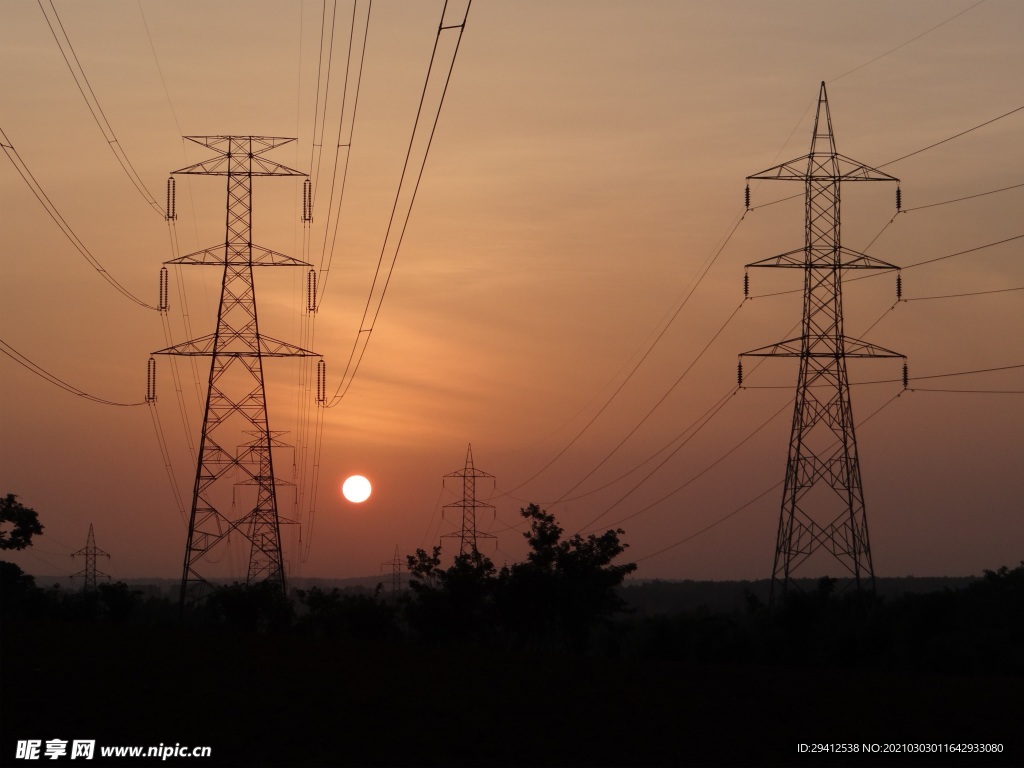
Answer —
589 160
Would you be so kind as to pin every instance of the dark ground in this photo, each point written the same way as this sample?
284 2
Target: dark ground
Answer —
294 700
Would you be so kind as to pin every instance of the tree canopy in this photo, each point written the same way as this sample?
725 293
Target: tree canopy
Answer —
18 523
558 596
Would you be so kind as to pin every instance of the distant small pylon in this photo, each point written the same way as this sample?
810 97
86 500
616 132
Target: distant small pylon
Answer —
396 571
91 551
468 535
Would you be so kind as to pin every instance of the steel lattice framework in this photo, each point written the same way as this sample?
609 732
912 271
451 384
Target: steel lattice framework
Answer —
823 498
90 551
236 402
468 535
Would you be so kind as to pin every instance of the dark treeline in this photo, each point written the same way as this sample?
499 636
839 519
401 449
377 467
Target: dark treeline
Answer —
550 661
567 597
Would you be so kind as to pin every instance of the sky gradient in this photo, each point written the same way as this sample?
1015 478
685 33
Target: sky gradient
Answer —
588 165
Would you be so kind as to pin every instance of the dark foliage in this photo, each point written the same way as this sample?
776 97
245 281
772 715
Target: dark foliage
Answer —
450 604
249 607
565 589
977 629
24 523
556 599
336 614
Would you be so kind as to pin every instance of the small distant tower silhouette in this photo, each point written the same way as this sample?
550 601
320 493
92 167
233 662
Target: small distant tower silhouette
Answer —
91 552
823 497
396 571
468 535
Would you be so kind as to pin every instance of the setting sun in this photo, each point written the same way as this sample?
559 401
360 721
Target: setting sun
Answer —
356 489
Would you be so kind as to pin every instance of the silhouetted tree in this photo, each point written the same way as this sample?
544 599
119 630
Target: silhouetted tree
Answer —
19 595
454 603
564 590
24 523
566 587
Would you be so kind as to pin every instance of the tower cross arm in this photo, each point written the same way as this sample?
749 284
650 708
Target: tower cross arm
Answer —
258 257
257 144
787 348
228 147
859 348
850 347
798 259
221 166
825 166
208 345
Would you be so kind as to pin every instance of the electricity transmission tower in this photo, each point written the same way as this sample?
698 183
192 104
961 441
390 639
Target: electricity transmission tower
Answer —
395 565
468 536
91 552
823 498
236 438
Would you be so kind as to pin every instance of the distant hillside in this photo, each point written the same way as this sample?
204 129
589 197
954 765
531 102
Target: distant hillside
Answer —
169 587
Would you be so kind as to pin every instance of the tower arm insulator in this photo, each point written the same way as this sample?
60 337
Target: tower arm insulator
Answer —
311 291
172 213
307 201
162 302
151 380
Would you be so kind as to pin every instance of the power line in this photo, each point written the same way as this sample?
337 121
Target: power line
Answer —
654 407
27 364
314 168
165 455
961 295
908 42
859 67
908 266
700 278
51 209
309 471
327 256
971 391
960 199
362 339
96 109
910 378
159 69
956 136
743 506
688 433
917 152
692 479
958 253
967 373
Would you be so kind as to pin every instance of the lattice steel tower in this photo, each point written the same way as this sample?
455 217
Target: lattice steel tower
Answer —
236 437
90 551
468 535
823 498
